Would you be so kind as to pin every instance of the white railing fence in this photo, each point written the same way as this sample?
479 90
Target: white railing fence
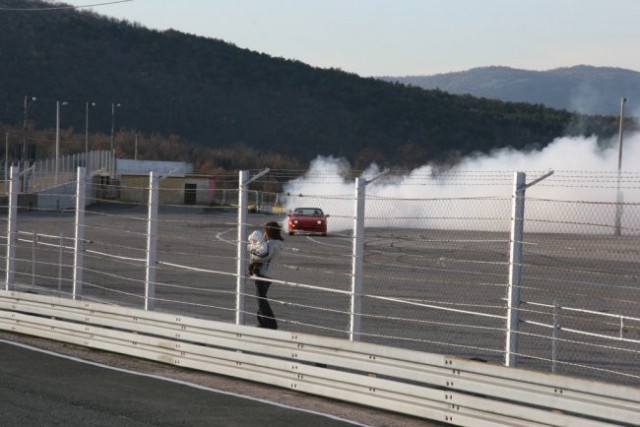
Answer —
430 386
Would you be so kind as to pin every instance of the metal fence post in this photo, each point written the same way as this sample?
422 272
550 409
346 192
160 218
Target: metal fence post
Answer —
241 279
12 221
515 263
554 339
355 323
60 260
34 238
356 263
241 268
78 247
515 268
152 244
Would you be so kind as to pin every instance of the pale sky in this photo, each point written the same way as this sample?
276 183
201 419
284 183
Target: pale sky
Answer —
406 37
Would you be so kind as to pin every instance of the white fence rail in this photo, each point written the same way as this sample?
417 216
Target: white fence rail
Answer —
436 387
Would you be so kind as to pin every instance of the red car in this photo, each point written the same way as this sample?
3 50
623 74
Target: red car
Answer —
307 220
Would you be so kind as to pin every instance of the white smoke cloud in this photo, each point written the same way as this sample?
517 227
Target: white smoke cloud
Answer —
478 190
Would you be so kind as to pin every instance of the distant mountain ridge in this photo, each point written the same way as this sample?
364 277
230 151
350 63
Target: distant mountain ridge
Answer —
584 89
224 99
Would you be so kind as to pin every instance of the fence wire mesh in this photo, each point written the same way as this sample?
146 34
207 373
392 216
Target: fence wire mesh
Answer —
435 260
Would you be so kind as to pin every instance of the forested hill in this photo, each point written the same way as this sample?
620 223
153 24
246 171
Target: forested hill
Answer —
213 93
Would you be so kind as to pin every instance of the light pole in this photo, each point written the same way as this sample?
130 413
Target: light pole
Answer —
27 99
113 121
57 164
619 192
6 159
86 131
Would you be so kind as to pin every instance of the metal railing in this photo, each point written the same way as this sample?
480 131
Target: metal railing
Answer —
424 385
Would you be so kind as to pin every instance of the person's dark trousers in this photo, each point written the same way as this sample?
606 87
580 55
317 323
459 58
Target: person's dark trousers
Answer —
266 318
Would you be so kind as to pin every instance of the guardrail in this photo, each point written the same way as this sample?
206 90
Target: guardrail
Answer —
442 388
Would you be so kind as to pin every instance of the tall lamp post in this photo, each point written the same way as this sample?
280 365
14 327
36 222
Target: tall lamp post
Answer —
113 121
6 159
86 131
618 225
27 100
57 164
113 130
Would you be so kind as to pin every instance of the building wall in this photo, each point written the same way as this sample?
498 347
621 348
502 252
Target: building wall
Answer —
135 189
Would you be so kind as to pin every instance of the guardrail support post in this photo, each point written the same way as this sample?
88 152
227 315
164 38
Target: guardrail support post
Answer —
12 224
78 248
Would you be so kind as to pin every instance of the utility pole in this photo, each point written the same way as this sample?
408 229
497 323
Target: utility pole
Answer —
6 160
113 122
24 151
86 131
57 160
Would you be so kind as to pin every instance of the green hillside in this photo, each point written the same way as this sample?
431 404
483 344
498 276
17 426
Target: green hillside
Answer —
217 96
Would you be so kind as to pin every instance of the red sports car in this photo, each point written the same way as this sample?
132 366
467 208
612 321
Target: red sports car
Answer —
307 220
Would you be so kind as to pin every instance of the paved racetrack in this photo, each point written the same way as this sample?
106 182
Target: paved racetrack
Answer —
43 388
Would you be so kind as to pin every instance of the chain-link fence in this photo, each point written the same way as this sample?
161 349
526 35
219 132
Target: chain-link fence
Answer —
433 267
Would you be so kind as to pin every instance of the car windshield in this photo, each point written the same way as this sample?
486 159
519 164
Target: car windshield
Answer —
308 211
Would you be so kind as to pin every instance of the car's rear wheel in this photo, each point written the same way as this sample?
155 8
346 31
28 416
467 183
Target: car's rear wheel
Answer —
291 233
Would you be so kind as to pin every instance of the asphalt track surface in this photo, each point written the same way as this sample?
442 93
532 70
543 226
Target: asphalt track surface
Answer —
43 383
41 388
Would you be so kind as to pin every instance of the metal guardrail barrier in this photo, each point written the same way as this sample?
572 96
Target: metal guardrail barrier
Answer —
442 388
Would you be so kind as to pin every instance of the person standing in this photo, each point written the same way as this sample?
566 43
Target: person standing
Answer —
265 254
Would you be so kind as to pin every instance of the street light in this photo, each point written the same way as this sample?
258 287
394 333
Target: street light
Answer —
619 192
113 121
27 99
6 159
57 164
86 131
135 150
